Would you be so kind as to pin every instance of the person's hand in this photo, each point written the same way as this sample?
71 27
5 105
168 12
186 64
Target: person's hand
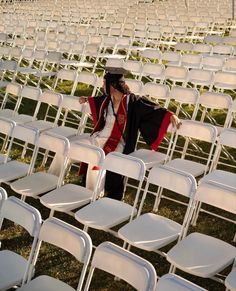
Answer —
83 99
175 121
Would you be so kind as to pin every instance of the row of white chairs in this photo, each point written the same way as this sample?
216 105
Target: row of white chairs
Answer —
209 192
107 256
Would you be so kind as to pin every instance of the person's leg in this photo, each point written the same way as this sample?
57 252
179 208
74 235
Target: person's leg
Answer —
114 185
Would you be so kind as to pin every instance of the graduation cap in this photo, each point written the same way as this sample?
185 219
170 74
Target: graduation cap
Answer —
115 74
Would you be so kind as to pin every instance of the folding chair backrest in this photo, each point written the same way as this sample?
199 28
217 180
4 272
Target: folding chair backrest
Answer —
134 167
68 237
215 100
173 180
22 214
157 91
86 153
14 89
51 98
228 137
31 92
53 142
184 95
131 268
134 85
217 195
87 78
6 126
24 133
198 130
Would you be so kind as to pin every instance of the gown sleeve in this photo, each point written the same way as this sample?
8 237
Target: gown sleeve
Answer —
153 123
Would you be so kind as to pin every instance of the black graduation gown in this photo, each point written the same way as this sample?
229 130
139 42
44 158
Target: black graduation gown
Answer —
143 116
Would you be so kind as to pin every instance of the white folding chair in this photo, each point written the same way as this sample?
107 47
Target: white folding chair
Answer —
184 96
14 268
191 61
14 169
3 197
176 74
105 213
36 183
151 231
127 266
213 63
76 196
209 103
193 131
70 79
200 254
152 72
135 86
170 58
66 237
158 93
6 129
170 282
230 65
200 77
225 81
12 93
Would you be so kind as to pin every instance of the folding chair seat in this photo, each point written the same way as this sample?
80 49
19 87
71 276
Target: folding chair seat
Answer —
191 61
123 264
151 231
200 254
105 213
66 237
213 39
212 63
76 196
36 183
230 65
209 103
184 96
14 267
230 281
224 81
170 282
152 72
193 131
14 169
176 74
200 77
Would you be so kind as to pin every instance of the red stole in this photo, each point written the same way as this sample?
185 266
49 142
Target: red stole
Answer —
117 131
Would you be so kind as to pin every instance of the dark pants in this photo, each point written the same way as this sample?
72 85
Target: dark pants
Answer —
114 185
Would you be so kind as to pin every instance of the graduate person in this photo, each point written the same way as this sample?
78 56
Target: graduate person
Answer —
118 117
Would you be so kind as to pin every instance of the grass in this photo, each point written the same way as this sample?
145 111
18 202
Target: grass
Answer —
59 264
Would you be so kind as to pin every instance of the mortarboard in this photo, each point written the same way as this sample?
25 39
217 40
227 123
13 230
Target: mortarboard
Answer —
115 74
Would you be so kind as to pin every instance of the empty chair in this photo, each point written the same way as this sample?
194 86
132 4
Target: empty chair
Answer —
193 131
230 65
152 72
170 282
151 231
135 86
158 93
36 183
184 47
14 169
6 129
171 58
134 67
202 48
209 103
127 266
176 74
76 196
69 238
105 213
191 61
216 175
14 268
12 93
225 81
150 55
200 254
200 77
184 96
212 63
222 50
68 77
